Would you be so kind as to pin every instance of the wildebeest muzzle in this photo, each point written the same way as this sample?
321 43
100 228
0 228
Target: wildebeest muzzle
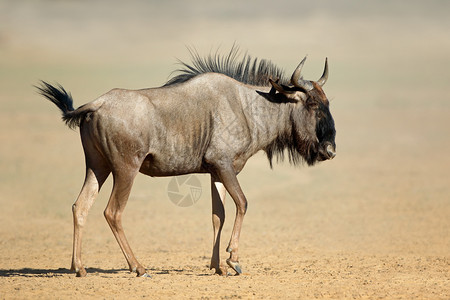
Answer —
327 151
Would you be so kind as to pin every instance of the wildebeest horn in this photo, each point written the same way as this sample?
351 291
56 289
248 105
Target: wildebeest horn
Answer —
324 77
296 79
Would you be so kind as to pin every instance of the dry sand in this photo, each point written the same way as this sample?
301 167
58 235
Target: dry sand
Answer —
373 223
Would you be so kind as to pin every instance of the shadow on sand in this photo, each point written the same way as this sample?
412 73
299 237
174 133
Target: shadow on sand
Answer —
29 272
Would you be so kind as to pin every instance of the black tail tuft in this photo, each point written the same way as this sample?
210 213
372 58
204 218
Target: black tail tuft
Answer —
57 95
63 100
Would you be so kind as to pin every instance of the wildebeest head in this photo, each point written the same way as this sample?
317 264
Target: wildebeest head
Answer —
313 126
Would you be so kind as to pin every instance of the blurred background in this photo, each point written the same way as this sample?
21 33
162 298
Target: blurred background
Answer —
386 191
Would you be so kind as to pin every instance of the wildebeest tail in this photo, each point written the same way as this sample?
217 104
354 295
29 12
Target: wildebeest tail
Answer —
64 101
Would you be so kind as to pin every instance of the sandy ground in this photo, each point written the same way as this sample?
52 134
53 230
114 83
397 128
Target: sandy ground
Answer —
373 223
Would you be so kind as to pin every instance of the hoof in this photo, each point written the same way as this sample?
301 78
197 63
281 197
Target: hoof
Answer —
222 270
141 272
145 275
81 273
235 266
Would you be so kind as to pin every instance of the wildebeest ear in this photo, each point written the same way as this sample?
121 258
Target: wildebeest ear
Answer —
273 90
279 88
287 94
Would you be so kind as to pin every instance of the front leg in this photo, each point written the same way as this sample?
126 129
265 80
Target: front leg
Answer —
218 193
228 177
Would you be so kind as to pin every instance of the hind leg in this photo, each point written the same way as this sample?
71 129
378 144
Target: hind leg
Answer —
92 184
123 182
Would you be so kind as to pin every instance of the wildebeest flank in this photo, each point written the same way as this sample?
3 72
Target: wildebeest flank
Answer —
211 118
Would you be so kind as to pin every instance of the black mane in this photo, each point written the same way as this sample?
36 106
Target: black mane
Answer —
247 70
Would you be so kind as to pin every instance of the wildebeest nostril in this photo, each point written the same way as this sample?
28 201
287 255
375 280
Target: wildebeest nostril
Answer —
330 151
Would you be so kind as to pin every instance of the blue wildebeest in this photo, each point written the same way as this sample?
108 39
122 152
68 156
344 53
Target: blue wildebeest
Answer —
211 118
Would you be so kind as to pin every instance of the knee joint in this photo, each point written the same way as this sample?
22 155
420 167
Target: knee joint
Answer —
108 215
111 216
243 208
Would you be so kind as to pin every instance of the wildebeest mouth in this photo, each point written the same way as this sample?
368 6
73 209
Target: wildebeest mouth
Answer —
326 151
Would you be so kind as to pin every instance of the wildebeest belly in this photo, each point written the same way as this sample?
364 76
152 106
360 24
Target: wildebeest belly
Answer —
171 165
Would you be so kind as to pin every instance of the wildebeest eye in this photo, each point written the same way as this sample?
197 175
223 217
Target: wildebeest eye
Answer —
319 115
